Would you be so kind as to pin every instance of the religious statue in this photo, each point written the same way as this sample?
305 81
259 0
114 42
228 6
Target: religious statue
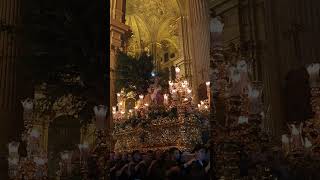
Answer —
254 95
216 28
296 138
239 78
307 143
235 81
155 92
285 143
147 98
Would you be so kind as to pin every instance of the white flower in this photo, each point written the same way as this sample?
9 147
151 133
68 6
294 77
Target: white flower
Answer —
216 25
284 139
307 143
313 69
242 120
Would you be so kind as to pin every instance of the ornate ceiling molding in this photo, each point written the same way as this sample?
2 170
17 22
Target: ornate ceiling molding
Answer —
151 22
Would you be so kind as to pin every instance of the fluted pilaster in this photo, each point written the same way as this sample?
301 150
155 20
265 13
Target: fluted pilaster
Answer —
117 29
198 16
9 19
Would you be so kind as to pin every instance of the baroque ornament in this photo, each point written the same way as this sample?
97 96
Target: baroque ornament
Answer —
68 105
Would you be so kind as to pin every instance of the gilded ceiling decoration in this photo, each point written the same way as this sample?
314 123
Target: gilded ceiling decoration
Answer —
152 22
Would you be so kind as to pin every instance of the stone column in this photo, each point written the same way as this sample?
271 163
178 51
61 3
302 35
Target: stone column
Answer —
9 13
113 99
117 29
198 16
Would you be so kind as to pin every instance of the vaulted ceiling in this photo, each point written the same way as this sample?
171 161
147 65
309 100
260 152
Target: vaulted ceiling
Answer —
152 22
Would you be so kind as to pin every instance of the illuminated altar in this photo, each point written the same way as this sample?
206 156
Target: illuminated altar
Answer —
158 121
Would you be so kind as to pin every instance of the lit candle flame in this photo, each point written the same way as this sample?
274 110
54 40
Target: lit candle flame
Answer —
177 69
141 96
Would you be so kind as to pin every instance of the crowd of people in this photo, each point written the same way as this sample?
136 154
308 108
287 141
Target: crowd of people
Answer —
157 165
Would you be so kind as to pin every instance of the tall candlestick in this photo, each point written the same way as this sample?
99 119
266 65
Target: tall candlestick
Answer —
165 99
208 91
177 69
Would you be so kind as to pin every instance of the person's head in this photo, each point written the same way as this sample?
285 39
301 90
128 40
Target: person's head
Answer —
207 159
136 157
174 154
124 156
112 156
129 157
185 157
158 155
117 156
149 156
165 155
200 152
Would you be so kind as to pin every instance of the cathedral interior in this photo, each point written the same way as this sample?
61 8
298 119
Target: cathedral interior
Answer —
179 89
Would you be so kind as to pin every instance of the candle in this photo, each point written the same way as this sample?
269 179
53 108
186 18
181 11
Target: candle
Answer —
177 69
146 107
189 93
165 99
170 85
208 91
141 97
313 70
136 110
118 96
174 94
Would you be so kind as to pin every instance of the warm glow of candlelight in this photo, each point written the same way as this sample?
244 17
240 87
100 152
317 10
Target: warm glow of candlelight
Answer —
201 102
114 108
177 69
146 104
189 91
208 83
120 103
185 99
141 96
199 105
122 112
118 94
130 111
206 107
136 107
